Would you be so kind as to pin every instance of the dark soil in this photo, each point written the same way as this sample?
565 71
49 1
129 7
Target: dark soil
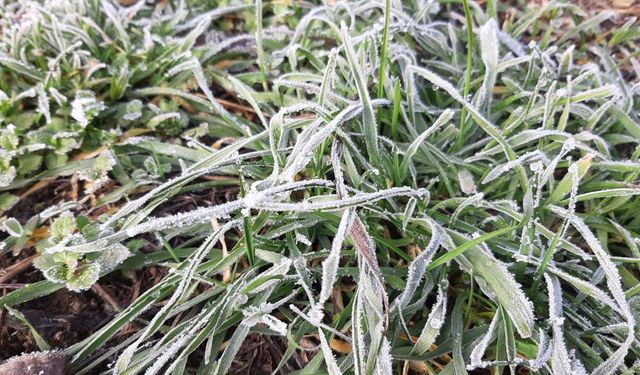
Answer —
261 354
64 318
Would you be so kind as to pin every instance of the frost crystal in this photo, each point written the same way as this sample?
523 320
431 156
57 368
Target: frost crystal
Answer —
466 181
85 107
134 110
434 322
13 227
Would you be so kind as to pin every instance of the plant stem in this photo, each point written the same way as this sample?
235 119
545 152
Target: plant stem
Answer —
260 49
397 98
467 79
384 49
247 227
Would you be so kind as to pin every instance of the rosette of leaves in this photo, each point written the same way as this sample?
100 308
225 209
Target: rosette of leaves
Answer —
74 87
78 271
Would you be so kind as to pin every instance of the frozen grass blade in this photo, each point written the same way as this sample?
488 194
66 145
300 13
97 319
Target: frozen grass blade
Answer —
560 357
368 115
331 264
482 121
434 323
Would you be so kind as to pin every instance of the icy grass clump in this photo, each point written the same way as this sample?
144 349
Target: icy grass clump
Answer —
356 184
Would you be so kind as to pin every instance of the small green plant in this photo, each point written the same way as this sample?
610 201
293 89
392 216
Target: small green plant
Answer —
71 86
77 270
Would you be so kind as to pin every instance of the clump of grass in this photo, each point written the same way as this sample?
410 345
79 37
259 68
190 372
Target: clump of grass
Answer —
496 230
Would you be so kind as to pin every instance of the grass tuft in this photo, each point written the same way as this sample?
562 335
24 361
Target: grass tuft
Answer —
350 182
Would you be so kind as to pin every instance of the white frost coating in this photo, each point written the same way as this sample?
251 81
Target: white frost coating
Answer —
489 44
215 45
341 189
193 65
137 140
567 146
586 288
481 347
278 118
116 20
532 156
497 282
586 136
207 165
303 151
30 93
308 88
43 103
369 126
410 209
470 201
575 181
331 264
466 181
384 361
329 358
521 312
158 119
273 323
178 342
134 110
444 118
93 69
372 295
358 345
287 187
577 367
85 106
560 357
611 272
418 268
303 279
13 227
613 282
301 238
183 219
190 39
278 269
485 124
7 176
57 96
489 48
328 76
276 125
294 226
434 322
336 204
544 352
528 205
191 265
304 316
522 138
112 256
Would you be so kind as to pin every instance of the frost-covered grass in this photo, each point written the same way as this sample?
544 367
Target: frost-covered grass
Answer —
415 180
